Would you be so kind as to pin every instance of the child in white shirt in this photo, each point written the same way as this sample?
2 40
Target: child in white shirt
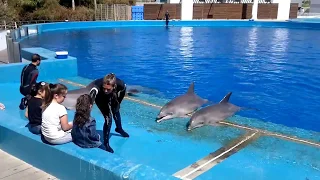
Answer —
55 127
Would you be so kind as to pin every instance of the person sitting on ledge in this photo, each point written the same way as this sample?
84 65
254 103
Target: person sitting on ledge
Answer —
2 107
29 75
84 133
108 93
33 110
55 127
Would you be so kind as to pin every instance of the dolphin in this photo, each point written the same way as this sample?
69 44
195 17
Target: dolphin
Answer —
72 96
181 105
212 114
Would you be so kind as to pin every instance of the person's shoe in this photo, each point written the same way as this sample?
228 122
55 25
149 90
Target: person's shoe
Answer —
122 132
108 148
23 104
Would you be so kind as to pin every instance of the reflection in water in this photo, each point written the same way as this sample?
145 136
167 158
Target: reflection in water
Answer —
252 42
278 50
186 47
186 42
279 42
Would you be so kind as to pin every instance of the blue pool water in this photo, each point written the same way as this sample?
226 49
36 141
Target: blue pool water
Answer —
276 70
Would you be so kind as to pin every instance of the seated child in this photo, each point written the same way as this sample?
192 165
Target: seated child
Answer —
84 132
55 127
34 111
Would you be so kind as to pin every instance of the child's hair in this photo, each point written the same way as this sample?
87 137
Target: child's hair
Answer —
40 86
82 113
53 89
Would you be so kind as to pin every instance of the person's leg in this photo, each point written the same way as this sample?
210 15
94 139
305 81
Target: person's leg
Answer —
24 91
106 126
35 129
117 120
117 115
106 132
63 140
102 147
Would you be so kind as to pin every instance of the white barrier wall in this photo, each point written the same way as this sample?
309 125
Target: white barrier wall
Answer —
283 9
186 10
3 41
255 10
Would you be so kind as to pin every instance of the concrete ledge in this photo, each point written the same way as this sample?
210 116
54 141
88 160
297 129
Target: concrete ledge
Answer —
50 68
26 53
68 161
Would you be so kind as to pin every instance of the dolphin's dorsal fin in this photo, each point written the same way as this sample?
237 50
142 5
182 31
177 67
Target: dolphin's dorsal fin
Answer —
191 88
226 98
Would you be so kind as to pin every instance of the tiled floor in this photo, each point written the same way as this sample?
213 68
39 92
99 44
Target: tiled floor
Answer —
13 168
3 57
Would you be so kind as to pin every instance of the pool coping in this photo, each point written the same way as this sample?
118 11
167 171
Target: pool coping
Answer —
25 31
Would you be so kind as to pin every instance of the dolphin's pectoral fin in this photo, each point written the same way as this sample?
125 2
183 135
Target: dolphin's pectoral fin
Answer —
186 115
214 123
69 108
132 91
190 114
131 94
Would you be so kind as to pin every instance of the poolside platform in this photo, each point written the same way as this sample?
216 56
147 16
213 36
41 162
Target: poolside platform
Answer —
13 168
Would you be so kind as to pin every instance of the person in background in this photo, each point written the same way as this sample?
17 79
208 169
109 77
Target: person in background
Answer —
2 107
167 15
28 78
33 110
108 93
55 127
84 133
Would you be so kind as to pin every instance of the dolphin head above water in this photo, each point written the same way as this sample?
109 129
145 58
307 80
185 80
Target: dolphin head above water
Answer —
181 105
167 112
194 122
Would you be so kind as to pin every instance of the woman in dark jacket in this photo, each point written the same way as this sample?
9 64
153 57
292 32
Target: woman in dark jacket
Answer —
108 93
84 133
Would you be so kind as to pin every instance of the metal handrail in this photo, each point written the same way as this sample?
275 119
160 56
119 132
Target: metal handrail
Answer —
16 24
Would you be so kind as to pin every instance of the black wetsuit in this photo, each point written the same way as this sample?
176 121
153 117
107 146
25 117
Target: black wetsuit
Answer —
109 104
29 75
167 18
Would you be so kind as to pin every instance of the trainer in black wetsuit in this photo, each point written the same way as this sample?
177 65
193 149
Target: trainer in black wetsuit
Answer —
29 75
167 15
108 93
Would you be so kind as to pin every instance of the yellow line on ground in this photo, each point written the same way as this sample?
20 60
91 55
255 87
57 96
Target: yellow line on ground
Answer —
264 132
205 164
